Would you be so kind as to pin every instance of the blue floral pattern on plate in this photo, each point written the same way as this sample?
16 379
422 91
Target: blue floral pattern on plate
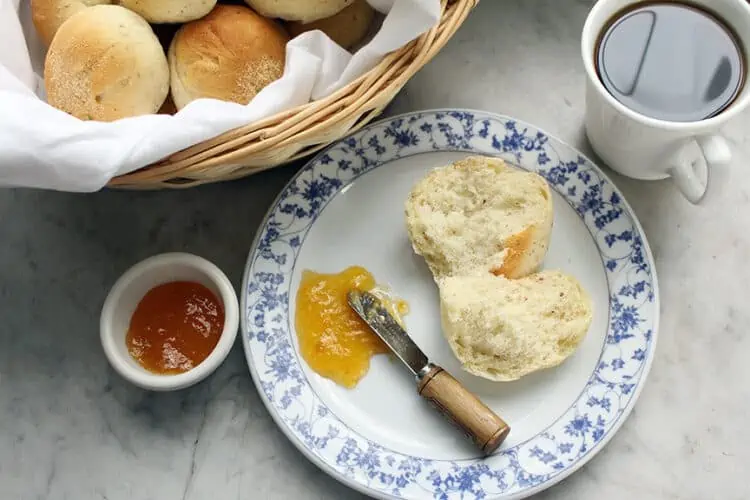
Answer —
516 472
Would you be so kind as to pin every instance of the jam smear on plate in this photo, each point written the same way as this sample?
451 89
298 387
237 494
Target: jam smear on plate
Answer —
333 340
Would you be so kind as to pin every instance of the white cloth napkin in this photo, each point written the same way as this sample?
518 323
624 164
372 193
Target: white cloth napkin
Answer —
43 147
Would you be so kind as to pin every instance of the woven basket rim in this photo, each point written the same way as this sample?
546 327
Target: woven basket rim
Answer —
301 131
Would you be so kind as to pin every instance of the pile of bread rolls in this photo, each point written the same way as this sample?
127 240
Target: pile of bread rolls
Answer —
113 59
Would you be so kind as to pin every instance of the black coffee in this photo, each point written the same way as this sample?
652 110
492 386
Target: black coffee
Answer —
670 61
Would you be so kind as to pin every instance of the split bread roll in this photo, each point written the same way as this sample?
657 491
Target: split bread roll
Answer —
503 329
169 11
298 10
347 28
480 215
231 55
105 63
49 15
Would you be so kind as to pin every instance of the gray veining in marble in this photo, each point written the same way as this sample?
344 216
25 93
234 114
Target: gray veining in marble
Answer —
72 429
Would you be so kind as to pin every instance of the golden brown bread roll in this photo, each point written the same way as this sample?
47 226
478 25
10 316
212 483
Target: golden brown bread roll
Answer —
48 15
230 54
347 28
169 11
298 10
105 63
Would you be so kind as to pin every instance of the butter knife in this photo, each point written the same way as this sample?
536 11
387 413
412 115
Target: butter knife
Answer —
454 401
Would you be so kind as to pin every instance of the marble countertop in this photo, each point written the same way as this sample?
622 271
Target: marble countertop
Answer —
72 429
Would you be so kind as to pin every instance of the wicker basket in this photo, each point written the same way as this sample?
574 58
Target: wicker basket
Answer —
298 132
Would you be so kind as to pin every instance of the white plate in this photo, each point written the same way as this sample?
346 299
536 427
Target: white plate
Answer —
346 207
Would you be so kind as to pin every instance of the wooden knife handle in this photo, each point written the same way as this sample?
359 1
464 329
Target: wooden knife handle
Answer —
464 409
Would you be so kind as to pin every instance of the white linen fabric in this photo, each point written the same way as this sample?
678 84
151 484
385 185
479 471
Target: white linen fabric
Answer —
42 147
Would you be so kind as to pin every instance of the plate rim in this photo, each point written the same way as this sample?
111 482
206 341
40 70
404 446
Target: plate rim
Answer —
371 492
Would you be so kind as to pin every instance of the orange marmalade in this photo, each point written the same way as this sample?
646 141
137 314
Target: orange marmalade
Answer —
175 327
333 340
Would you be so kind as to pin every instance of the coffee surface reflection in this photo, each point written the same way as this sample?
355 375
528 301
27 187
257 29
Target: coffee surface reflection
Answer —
670 61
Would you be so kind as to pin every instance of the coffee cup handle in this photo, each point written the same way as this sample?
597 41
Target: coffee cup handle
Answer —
717 155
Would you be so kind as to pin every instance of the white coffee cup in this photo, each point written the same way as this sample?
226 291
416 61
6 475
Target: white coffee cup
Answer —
694 154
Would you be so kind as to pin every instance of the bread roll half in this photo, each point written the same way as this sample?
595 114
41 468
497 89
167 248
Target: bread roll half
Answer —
231 55
480 215
298 10
105 63
49 15
503 329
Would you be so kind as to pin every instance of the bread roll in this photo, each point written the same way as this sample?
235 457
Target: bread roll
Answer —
105 63
231 54
479 215
48 15
503 329
298 10
169 11
347 28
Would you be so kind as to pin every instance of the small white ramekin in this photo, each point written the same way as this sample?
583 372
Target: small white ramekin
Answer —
128 291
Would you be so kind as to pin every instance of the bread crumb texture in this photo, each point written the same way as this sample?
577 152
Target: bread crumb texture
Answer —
503 329
483 228
479 215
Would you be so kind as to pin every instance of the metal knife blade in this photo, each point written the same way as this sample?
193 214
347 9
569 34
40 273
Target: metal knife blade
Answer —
453 400
380 320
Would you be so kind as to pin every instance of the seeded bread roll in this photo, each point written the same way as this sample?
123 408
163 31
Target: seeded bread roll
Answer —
347 28
105 63
503 329
480 215
169 11
298 10
231 55
48 15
